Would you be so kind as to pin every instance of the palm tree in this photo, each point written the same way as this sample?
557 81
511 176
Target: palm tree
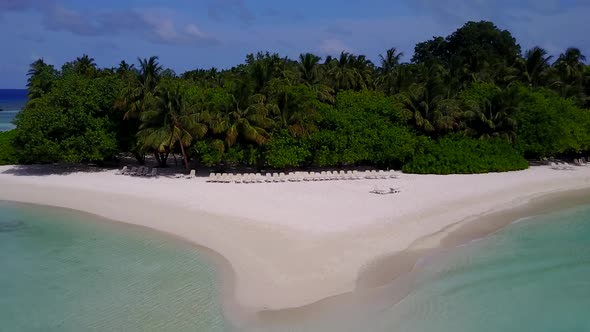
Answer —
85 66
149 72
494 116
172 122
243 115
390 61
310 74
393 77
292 108
431 110
309 65
139 93
41 78
571 64
534 66
570 68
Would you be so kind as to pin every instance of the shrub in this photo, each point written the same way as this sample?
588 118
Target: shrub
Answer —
8 155
461 155
283 150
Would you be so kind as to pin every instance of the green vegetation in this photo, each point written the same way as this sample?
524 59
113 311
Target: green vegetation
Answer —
469 102
8 155
460 155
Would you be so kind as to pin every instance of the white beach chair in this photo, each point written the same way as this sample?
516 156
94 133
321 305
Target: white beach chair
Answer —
382 175
246 178
258 178
133 171
122 171
238 178
567 166
275 178
292 177
316 176
191 175
356 175
393 175
282 177
268 178
349 175
211 177
306 177
253 178
153 173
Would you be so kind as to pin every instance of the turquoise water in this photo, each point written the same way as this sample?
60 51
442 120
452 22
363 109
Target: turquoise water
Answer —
531 276
11 102
60 272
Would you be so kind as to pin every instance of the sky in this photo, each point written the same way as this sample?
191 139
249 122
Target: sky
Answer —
189 34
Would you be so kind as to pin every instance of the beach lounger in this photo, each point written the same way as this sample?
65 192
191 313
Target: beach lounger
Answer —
566 166
306 177
282 177
191 175
268 178
211 177
292 177
154 173
238 178
275 178
378 191
145 171
258 178
122 171
133 171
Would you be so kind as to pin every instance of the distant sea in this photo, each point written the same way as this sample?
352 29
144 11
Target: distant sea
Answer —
11 102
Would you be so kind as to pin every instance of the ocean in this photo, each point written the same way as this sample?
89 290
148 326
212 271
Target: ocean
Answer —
11 102
65 271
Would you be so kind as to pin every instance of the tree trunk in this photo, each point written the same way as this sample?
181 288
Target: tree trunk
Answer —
184 156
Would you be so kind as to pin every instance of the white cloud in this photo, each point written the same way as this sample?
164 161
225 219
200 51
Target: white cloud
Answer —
333 46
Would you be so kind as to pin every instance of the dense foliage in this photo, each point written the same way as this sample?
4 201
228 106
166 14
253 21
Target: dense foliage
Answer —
469 102
8 155
452 155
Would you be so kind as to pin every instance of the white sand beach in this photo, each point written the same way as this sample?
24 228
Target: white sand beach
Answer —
291 244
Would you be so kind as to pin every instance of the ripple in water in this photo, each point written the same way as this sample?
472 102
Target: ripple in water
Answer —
60 272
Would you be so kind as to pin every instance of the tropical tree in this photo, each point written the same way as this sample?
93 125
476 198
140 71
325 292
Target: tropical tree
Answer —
310 72
571 69
41 78
85 66
172 122
534 67
431 111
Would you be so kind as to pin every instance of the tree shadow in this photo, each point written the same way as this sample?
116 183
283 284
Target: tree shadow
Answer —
54 169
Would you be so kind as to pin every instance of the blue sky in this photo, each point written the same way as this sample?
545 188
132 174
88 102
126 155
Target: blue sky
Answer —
187 34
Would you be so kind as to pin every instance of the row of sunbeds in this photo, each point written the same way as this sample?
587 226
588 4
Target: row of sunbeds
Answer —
138 171
299 176
581 162
566 166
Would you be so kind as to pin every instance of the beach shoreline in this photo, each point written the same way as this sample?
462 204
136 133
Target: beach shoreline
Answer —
279 262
